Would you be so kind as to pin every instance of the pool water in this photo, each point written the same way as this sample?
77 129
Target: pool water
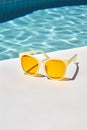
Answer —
49 30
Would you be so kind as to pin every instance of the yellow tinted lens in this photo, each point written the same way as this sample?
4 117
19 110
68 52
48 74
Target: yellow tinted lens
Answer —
55 68
29 64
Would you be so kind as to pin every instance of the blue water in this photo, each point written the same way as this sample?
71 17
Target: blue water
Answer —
48 30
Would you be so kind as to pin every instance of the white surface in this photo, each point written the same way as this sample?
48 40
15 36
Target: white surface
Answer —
33 103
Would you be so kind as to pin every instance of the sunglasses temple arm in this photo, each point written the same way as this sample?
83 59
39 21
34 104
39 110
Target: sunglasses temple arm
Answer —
73 59
46 55
36 51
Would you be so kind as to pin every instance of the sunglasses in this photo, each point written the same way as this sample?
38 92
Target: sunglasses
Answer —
54 68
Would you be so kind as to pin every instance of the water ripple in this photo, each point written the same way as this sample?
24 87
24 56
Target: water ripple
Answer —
48 30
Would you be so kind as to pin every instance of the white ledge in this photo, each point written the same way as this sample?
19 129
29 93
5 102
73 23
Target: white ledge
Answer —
34 103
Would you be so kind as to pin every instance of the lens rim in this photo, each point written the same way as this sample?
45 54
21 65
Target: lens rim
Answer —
37 62
65 63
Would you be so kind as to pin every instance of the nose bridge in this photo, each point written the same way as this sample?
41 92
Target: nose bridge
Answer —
41 67
42 62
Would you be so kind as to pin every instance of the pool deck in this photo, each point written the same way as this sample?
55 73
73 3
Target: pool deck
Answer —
37 103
